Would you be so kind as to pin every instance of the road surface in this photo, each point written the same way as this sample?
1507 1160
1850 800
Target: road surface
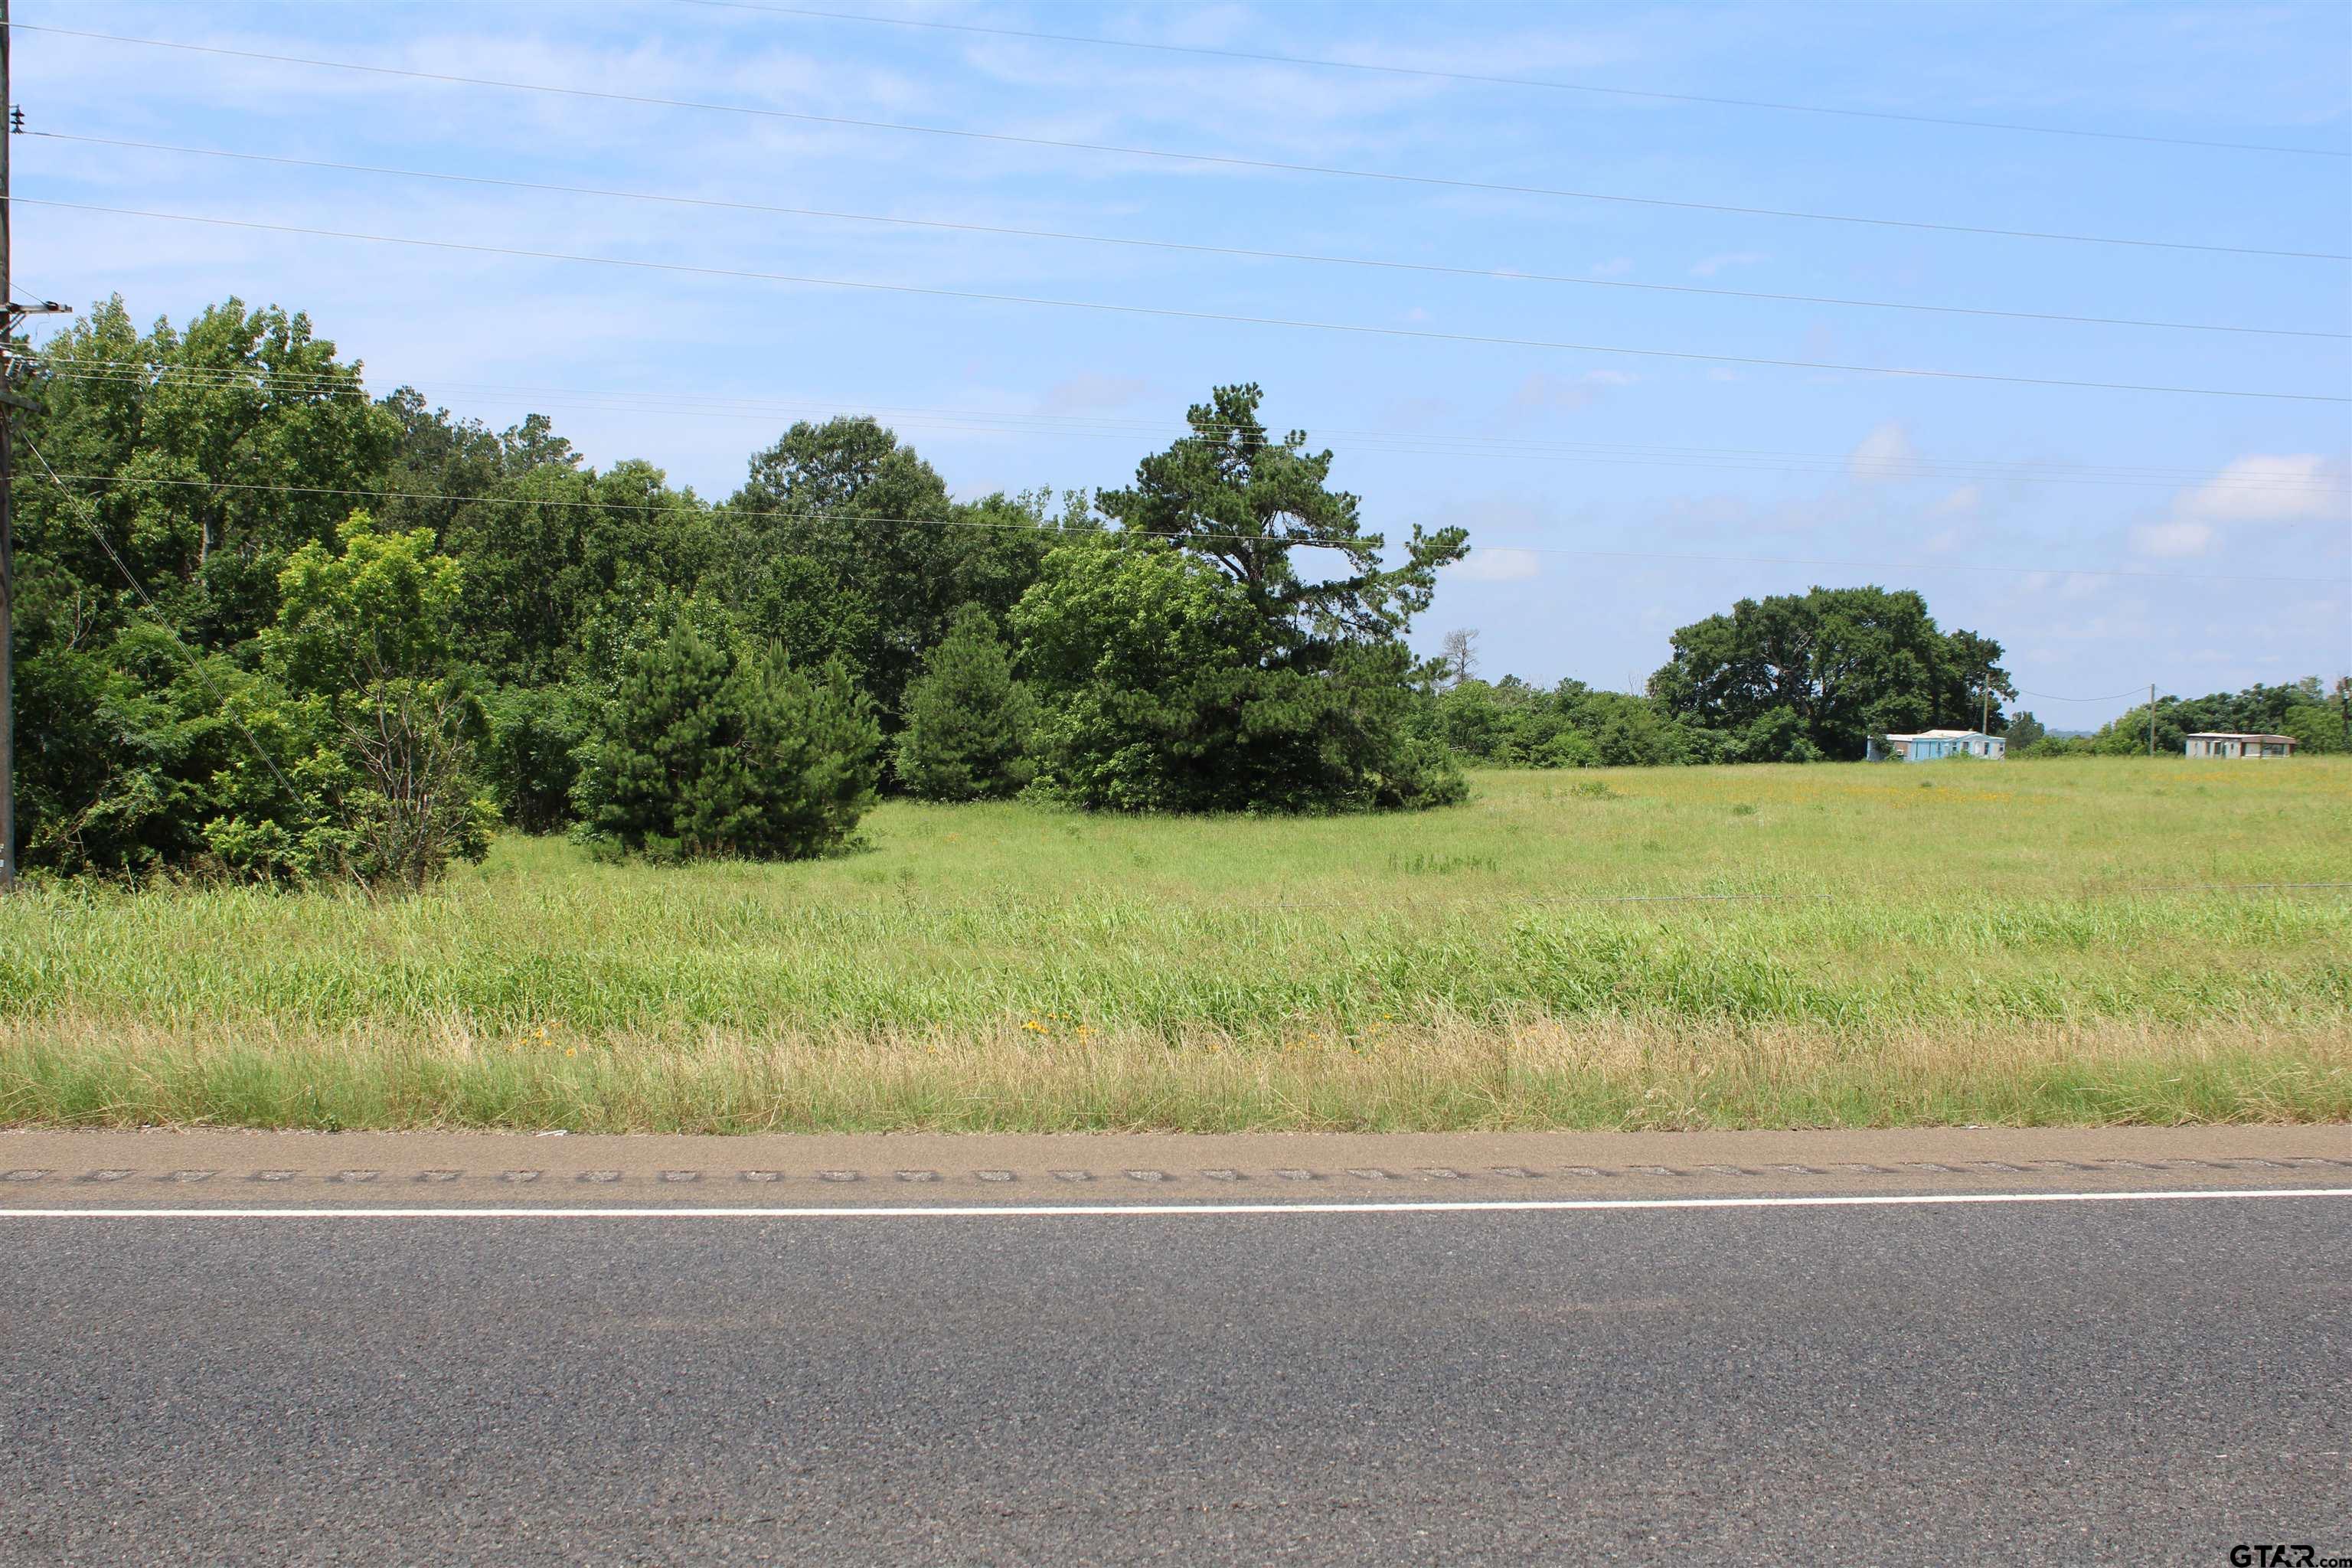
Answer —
2039 1364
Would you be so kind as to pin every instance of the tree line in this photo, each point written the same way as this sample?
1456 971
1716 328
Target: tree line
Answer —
2317 717
270 626
1795 677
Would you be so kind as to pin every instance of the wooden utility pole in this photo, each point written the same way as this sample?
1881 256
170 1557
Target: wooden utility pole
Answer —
7 542
2151 685
10 314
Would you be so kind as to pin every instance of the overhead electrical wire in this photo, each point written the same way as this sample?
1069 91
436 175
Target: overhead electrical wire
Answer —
1479 78
1498 274
1301 542
1107 427
2114 697
1171 313
1211 159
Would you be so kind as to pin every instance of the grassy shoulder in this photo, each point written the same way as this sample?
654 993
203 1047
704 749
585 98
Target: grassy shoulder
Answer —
2059 941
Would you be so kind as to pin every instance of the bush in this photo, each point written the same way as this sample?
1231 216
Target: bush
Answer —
383 779
1778 735
361 742
968 720
1569 749
707 749
531 759
1631 735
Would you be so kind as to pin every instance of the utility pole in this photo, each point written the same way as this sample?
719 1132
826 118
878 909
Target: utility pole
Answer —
10 314
2151 685
7 540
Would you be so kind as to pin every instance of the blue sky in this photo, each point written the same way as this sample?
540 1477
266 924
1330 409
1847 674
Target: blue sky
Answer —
1587 479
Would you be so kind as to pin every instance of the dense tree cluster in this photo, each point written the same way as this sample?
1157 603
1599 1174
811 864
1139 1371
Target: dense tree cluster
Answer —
2317 716
376 629
1792 679
1830 668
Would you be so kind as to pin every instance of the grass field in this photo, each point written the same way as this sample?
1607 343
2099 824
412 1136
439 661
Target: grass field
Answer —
2056 941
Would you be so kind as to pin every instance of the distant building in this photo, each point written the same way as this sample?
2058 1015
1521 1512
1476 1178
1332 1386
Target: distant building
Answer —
2231 743
1935 745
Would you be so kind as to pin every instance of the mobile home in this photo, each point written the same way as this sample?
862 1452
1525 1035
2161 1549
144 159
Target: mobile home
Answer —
1935 745
2233 743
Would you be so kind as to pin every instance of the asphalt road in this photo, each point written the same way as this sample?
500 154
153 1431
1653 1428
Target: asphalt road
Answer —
2104 1382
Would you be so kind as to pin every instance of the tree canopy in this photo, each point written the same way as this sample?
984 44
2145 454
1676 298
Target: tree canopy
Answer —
1186 662
1845 663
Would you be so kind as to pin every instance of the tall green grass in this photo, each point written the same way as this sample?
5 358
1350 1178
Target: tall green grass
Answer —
2065 940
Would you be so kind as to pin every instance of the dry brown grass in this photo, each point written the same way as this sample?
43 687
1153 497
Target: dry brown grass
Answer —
1453 1074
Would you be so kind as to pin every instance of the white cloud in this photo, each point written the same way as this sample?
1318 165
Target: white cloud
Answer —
2263 487
2259 488
1610 378
1615 267
1887 447
1710 266
1541 391
2172 539
1961 502
1496 565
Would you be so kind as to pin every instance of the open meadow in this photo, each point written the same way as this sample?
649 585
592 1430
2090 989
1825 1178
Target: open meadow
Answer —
2080 940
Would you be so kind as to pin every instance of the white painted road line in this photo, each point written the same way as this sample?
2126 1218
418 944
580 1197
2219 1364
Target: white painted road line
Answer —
1056 1211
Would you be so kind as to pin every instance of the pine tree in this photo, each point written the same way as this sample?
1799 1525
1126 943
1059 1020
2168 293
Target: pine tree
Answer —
711 751
968 720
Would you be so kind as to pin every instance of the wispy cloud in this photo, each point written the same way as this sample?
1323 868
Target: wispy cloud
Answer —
2263 487
2173 540
1881 454
1712 265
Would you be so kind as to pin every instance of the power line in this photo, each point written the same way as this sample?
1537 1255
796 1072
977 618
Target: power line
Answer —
1216 160
1427 73
1305 543
1500 273
2048 696
1174 314
1107 427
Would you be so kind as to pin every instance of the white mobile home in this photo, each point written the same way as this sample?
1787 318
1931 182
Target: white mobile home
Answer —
2234 743
1935 745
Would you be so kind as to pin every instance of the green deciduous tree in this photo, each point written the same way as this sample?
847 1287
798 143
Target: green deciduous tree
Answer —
1849 663
843 545
968 722
223 448
361 737
363 714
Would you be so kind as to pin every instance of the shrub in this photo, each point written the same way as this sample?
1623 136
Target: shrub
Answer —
968 720
707 749
531 761
362 741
